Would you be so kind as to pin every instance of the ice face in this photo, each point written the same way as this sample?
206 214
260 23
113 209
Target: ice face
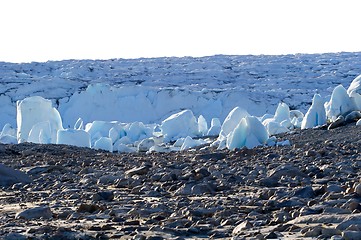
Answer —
138 131
34 110
75 137
40 133
104 143
79 124
316 114
8 130
179 125
8 135
145 144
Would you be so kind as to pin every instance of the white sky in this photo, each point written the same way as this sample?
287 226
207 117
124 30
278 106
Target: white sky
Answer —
41 30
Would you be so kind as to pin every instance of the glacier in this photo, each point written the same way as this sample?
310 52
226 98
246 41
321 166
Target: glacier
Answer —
139 104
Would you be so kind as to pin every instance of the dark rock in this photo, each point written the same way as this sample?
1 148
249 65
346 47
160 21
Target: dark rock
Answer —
353 116
310 153
309 211
203 212
202 172
272 155
200 189
186 189
14 236
286 170
334 188
9 176
90 208
290 203
269 182
351 235
271 235
207 156
340 121
305 192
103 195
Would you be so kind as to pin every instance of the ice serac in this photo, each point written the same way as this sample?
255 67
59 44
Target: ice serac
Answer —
237 138
339 104
282 112
281 121
316 114
296 118
355 86
249 133
179 125
202 125
35 110
232 120
75 137
215 128
354 91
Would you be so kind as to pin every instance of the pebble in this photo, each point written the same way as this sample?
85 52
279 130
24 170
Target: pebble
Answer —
334 188
137 171
358 189
354 219
35 213
240 228
351 235
304 192
89 208
103 195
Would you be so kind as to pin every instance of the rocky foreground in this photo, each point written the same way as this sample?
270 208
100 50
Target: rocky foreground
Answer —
310 189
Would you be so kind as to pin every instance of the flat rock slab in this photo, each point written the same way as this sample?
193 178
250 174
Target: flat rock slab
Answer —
35 213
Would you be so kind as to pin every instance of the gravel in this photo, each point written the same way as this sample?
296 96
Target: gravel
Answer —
310 189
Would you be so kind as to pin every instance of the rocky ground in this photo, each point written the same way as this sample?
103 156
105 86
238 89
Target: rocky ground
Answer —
310 189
